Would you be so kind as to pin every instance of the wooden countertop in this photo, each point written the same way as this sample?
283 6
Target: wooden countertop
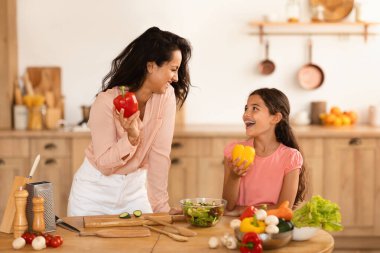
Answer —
229 131
321 242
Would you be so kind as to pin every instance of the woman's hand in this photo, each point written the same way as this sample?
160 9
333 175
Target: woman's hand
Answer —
175 210
130 125
238 170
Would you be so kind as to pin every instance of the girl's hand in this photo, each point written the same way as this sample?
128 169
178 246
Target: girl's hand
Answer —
238 170
131 124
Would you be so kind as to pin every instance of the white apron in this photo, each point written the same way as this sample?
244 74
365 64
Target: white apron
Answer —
93 193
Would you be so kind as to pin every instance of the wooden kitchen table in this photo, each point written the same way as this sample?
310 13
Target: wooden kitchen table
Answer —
158 243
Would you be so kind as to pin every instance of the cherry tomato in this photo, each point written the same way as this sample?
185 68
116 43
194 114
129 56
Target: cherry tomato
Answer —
59 238
55 242
47 239
29 237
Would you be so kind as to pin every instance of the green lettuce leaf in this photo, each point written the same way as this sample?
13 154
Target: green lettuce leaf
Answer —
318 212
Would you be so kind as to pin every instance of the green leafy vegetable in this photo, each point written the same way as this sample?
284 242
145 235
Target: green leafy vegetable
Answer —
318 212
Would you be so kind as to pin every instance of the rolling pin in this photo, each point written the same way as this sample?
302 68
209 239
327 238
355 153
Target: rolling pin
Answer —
119 233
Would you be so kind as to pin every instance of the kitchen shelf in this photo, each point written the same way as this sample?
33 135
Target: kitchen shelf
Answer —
313 28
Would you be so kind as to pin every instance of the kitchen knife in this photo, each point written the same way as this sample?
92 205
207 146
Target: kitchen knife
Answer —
61 223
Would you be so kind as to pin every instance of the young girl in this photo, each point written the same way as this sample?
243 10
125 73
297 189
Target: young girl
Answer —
277 173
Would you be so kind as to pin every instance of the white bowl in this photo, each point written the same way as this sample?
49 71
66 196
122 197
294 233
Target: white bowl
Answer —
304 233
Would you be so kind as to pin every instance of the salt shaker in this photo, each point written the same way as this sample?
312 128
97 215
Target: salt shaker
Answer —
20 223
38 212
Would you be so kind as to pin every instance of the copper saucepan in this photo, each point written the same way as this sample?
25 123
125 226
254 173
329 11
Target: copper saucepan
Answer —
266 67
310 76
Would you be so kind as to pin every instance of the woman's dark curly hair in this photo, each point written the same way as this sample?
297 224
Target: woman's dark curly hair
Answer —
129 68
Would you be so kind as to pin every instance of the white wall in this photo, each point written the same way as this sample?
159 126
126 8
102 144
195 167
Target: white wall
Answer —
83 36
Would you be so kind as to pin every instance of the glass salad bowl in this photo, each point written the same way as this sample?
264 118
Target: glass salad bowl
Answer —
203 212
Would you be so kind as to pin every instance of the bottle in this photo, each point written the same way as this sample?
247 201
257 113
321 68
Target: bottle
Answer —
38 213
293 11
20 223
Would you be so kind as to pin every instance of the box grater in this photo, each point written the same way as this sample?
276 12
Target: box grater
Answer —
43 189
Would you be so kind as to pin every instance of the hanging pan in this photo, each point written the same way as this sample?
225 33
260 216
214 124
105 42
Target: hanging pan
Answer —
310 76
266 67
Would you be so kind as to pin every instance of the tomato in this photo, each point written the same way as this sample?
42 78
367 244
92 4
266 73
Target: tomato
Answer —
127 101
47 239
29 237
58 237
55 242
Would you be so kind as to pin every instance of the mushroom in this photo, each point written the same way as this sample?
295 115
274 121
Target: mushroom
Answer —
18 243
39 243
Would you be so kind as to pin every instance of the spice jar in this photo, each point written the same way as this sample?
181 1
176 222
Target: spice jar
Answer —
293 11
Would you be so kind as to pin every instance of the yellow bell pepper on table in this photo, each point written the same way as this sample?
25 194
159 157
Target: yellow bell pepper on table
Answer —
252 224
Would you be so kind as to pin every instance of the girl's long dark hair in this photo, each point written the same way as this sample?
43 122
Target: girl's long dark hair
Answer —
276 101
129 68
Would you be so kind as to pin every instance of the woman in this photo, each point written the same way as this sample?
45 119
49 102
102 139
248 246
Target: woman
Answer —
127 162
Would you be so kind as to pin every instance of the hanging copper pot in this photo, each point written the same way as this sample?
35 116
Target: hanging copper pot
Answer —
310 76
267 67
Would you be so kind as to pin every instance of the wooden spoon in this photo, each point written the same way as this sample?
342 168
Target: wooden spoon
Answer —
181 230
179 238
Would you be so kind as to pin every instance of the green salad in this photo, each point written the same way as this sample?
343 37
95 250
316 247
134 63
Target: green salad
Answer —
202 214
318 212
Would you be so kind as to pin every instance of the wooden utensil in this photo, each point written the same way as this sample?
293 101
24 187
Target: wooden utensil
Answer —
6 225
119 233
100 221
181 230
179 238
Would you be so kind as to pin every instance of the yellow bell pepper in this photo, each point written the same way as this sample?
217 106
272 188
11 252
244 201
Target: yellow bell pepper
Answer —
244 153
252 225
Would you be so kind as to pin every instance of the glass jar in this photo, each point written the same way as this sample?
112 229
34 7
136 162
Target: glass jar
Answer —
293 11
317 13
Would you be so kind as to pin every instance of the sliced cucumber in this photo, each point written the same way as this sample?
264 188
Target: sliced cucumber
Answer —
137 213
125 215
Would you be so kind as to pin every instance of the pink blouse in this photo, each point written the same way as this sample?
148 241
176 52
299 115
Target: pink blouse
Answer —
109 143
263 182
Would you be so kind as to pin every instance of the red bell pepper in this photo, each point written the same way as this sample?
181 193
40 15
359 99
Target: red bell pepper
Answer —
127 101
251 243
248 212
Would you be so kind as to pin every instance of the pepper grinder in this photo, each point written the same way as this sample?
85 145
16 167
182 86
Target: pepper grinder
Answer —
38 212
20 224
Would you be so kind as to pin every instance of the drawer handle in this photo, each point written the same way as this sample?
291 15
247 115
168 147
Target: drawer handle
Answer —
176 161
50 146
2 162
177 145
355 141
50 161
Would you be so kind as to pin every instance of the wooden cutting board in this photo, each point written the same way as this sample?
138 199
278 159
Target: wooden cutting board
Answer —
130 232
101 221
47 80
